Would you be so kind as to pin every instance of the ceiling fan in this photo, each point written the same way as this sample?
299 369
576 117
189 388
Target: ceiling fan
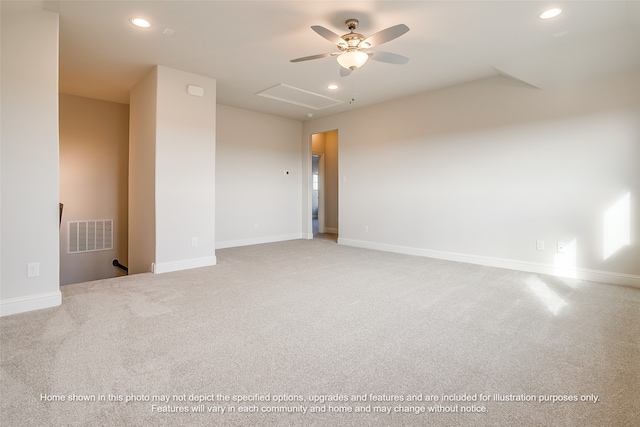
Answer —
353 47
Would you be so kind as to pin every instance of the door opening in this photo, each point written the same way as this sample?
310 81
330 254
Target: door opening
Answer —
315 198
324 179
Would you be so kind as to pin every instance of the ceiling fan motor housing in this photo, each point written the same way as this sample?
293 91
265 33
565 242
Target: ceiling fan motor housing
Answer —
352 40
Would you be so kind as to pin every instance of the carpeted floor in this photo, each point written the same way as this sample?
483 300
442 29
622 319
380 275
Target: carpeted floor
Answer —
309 332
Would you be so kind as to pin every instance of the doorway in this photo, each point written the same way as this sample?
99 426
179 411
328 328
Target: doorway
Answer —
324 178
315 193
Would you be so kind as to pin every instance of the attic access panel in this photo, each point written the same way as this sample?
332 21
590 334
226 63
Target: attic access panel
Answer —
304 98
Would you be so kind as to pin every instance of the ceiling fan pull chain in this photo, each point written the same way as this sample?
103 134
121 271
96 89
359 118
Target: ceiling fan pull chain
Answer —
353 91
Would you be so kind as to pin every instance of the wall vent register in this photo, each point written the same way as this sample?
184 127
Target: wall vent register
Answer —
90 236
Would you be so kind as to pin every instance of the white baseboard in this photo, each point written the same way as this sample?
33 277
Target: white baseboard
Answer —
186 264
330 230
576 273
260 240
30 303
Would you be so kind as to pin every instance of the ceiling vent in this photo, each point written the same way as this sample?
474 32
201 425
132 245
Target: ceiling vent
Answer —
293 95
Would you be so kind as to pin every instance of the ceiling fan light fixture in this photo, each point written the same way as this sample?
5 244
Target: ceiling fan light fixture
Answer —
352 60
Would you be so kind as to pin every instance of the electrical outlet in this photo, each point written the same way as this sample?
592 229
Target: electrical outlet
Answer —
562 248
366 229
540 245
194 241
33 269
256 226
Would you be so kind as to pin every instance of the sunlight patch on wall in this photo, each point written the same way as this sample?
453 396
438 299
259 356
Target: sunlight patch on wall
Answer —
617 226
565 263
546 295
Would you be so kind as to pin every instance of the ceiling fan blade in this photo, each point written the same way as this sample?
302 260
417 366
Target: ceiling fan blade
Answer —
344 72
327 34
386 35
388 57
308 58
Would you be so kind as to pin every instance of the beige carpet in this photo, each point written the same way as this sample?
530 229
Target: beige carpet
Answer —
308 333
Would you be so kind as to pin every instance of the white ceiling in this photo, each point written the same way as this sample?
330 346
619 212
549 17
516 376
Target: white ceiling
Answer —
246 46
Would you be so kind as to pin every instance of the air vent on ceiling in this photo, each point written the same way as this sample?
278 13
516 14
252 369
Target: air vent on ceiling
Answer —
90 235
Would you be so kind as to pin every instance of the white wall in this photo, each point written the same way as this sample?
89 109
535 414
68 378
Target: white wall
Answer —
172 172
253 151
185 171
480 171
142 174
29 157
94 152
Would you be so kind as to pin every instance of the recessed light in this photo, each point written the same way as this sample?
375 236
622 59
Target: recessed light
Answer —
140 22
332 87
550 13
